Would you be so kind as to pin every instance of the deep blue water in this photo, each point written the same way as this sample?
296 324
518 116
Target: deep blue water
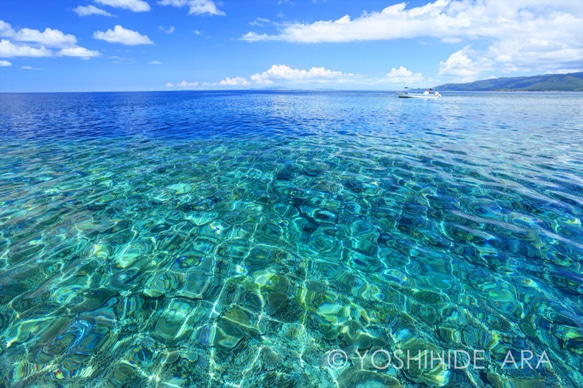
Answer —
205 239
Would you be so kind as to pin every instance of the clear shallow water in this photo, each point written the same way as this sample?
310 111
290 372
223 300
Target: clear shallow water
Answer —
236 239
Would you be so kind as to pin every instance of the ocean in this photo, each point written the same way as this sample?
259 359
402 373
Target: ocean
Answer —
291 239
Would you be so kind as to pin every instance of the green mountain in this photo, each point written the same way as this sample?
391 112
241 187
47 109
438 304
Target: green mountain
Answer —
539 83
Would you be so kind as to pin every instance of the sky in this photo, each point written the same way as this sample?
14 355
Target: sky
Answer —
140 45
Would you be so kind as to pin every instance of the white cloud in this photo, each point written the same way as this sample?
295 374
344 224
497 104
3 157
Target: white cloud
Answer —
90 10
30 68
196 7
77 51
564 71
168 30
465 65
509 56
202 7
132 5
48 37
8 49
121 60
536 51
6 29
286 73
522 33
123 36
174 3
403 75
260 22
441 19
400 72
185 84
235 81
37 43
196 32
5 64
154 63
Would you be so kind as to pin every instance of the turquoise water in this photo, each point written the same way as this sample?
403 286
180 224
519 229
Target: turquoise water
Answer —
238 239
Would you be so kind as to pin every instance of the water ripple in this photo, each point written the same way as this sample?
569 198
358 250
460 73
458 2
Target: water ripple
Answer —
234 238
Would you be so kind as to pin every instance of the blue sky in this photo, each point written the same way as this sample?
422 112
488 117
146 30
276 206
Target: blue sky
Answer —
102 45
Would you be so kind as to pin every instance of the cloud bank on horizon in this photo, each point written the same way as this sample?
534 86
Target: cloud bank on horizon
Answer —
228 44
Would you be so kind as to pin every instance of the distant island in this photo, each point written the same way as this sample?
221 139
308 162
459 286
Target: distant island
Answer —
572 82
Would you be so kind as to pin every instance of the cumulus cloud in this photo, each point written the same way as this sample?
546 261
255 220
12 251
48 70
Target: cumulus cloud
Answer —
185 84
280 73
37 43
235 81
9 49
195 7
132 5
403 75
5 29
286 73
90 10
49 37
277 73
400 72
510 56
77 51
460 66
5 64
123 36
534 33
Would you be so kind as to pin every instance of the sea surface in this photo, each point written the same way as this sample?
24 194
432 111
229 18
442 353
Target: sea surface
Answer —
279 239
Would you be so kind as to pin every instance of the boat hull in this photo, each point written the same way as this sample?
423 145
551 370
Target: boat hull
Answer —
419 95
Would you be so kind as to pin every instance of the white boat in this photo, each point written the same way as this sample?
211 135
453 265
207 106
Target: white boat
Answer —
425 95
